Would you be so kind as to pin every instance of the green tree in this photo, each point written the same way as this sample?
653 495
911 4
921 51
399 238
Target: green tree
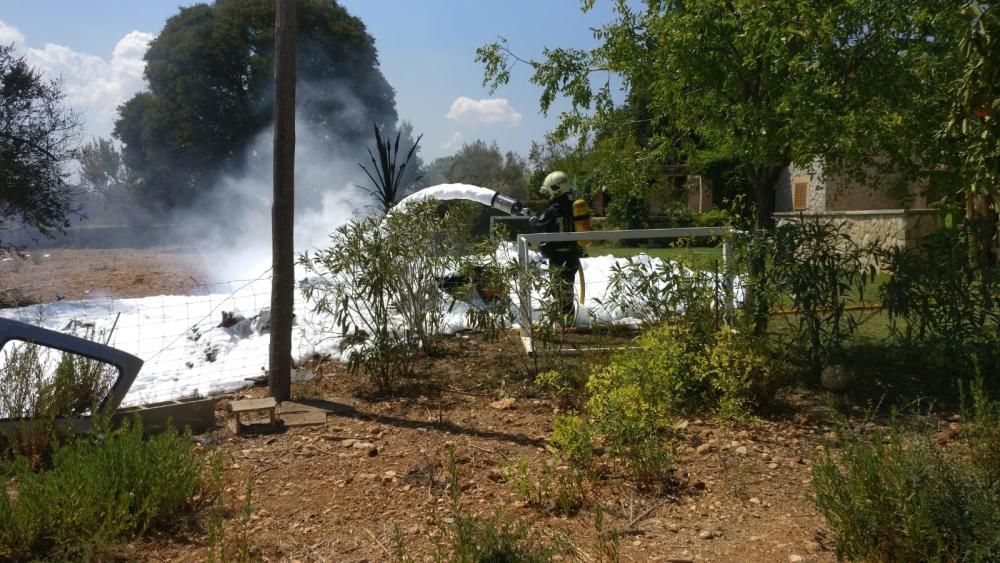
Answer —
107 185
855 82
37 136
210 74
485 165
102 167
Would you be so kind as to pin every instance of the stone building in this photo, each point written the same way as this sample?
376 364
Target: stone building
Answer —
869 211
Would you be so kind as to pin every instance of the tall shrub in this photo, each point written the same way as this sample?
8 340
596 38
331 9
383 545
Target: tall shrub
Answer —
814 265
381 281
938 299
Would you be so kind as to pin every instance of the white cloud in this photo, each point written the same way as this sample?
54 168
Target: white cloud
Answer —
483 112
9 34
93 85
454 142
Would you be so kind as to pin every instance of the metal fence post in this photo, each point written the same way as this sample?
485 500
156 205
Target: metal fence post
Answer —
524 293
727 259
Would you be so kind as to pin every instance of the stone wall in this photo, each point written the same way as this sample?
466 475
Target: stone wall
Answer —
894 227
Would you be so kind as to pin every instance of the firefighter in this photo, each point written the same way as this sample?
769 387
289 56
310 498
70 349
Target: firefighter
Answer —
563 257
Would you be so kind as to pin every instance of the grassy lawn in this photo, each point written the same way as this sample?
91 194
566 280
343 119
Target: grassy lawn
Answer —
701 257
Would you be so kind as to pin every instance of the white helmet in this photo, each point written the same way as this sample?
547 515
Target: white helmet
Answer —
556 184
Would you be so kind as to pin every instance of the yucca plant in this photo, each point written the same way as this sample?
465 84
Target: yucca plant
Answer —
387 173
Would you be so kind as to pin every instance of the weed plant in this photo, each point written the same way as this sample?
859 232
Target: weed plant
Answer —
478 539
35 395
556 492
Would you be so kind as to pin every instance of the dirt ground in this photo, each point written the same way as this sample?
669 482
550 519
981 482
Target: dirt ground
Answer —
741 494
45 275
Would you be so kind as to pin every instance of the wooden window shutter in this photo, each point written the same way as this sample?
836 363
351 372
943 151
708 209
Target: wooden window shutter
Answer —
800 194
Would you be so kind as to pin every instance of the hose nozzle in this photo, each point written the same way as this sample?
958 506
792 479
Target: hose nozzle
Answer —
507 204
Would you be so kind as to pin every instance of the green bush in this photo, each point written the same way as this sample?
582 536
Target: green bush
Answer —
632 395
630 399
673 218
381 282
815 265
742 376
571 436
628 211
896 497
713 218
941 303
98 493
673 369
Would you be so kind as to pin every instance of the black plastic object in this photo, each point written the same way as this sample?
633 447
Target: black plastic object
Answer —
128 366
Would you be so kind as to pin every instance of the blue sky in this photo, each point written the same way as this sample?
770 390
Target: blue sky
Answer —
426 48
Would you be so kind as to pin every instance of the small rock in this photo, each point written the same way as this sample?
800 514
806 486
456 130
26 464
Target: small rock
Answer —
503 404
794 558
706 535
705 448
836 378
765 456
742 450
371 449
755 500
348 442
772 466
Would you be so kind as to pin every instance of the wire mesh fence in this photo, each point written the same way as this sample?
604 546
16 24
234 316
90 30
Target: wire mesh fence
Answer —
213 340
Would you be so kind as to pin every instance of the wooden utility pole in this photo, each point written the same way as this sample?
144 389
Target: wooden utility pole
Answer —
283 207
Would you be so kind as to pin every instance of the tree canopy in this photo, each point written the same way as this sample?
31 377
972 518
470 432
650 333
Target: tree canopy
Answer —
861 84
210 74
975 126
37 137
483 165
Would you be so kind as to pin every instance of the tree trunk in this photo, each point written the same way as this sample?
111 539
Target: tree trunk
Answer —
283 207
763 184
